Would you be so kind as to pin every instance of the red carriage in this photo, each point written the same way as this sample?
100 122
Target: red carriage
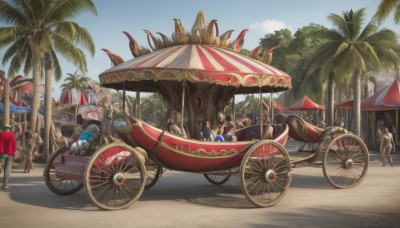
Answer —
198 75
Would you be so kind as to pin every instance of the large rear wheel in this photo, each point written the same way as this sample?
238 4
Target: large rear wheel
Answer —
346 161
55 183
115 176
265 173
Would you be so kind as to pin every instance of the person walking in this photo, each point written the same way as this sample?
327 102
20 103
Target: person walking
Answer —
386 146
8 148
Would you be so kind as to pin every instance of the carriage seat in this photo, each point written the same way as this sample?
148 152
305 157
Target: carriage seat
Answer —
253 132
302 131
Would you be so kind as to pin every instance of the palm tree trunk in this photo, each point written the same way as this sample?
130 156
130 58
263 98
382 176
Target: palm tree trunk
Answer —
36 65
357 101
36 86
6 102
331 94
47 105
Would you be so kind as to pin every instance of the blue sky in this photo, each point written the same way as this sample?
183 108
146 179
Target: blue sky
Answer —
259 16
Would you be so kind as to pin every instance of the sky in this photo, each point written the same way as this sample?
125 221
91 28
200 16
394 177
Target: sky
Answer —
259 16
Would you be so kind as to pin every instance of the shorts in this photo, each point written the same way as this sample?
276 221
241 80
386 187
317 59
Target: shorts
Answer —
387 145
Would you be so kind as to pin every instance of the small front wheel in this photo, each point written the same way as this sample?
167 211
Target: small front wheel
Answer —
55 183
115 176
153 173
346 161
265 173
217 179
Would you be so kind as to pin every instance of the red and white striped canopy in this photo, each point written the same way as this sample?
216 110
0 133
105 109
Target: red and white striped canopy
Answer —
305 103
387 98
197 64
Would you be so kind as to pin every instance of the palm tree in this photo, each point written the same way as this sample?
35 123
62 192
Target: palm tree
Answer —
76 81
40 29
358 50
385 8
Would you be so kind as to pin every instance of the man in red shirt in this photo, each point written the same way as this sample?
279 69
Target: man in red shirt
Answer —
8 147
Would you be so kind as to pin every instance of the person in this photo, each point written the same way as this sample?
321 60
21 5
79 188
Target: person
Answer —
220 123
32 144
78 130
230 133
174 125
206 132
246 121
85 139
8 148
386 146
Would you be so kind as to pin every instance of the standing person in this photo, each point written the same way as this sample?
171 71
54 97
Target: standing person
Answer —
386 146
32 144
8 148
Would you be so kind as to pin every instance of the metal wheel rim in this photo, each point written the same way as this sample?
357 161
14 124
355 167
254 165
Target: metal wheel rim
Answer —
217 179
344 165
103 168
56 184
253 170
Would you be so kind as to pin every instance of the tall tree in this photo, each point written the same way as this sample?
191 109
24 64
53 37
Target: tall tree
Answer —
348 46
385 8
38 30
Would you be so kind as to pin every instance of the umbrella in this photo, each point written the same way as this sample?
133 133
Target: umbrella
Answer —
279 106
305 103
388 98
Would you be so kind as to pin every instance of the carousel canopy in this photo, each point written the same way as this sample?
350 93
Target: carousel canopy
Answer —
387 98
305 103
196 64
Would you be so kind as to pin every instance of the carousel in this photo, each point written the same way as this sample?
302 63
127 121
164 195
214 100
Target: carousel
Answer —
197 74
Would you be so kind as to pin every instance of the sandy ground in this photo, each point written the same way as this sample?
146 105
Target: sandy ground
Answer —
188 200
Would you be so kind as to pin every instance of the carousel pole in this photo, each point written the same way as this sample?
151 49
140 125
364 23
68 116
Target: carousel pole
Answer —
183 103
271 105
138 101
123 97
397 126
233 112
260 115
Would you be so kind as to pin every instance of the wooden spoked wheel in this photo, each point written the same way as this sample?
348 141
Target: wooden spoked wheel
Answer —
346 161
217 179
153 173
115 176
265 173
55 183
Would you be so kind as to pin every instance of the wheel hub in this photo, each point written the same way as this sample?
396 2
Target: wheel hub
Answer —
348 164
118 179
270 176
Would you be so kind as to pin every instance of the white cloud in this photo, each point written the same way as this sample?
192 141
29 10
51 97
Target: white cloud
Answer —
268 26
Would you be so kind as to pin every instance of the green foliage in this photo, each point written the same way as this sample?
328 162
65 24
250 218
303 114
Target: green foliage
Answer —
76 81
46 24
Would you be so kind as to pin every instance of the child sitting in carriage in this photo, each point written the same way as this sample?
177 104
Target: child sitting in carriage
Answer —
85 139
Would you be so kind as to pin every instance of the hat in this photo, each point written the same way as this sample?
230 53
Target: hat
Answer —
6 126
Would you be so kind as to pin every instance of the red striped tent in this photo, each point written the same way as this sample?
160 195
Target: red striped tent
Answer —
72 97
347 104
196 64
388 98
279 106
305 103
